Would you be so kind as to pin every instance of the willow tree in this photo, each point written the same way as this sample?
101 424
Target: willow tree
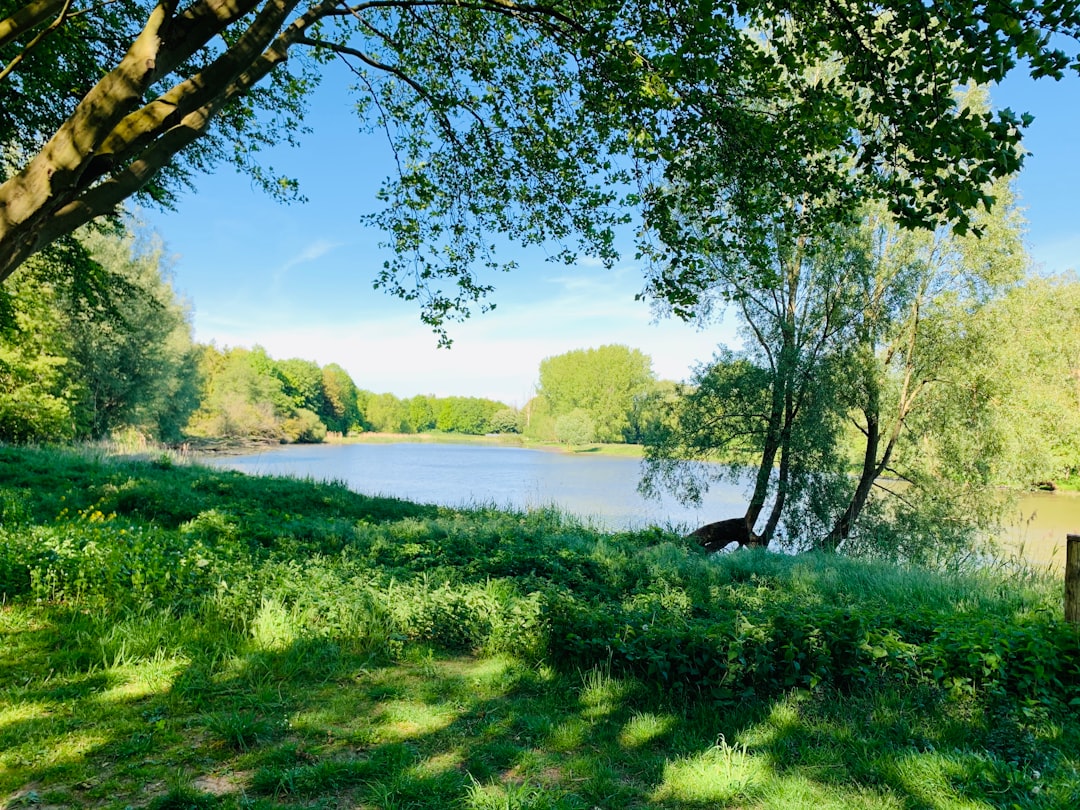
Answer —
505 116
772 410
915 323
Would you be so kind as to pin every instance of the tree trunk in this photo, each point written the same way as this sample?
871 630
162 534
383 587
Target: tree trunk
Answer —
871 469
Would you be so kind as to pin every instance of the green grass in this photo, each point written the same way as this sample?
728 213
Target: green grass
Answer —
177 637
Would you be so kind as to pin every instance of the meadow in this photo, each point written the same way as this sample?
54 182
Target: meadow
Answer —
178 637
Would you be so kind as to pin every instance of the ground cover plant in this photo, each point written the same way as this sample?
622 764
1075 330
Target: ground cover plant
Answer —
178 637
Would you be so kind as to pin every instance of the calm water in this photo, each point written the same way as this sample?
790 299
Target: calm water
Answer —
598 487
601 488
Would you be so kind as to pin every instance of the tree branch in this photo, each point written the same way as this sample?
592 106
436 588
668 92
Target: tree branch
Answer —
61 17
27 18
147 123
504 7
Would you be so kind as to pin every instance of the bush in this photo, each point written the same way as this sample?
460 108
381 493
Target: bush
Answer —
304 427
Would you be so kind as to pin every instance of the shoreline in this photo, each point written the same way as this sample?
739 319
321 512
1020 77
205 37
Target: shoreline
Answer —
496 440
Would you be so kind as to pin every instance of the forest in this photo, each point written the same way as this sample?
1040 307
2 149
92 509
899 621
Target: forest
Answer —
111 352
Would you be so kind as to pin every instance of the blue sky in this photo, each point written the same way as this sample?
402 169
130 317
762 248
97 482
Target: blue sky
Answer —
297 279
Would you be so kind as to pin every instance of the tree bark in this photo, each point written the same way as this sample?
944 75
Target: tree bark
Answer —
72 179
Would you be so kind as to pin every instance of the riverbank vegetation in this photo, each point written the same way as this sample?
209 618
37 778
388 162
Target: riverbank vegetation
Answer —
917 387
185 637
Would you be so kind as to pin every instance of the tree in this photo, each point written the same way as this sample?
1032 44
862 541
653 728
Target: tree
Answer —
913 321
421 413
469 415
1033 334
776 402
575 427
341 410
132 352
386 414
650 410
603 383
36 396
242 397
505 117
877 325
86 362
505 420
1009 398
302 382
148 93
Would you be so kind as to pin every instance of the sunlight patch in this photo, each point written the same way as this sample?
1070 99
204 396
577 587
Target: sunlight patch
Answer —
783 721
601 694
724 773
273 628
644 728
134 683
25 710
568 735
509 796
928 777
404 720
436 765
800 791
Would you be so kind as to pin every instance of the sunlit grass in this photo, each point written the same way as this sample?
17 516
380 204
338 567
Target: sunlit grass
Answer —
436 731
719 776
646 728
297 645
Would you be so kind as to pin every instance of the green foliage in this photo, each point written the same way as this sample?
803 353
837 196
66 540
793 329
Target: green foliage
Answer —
575 427
249 395
242 398
291 561
603 384
302 381
517 124
340 406
303 426
421 413
505 420
386 413
716 417
865 351
116 355
1030 381
133 353
35 395
469 415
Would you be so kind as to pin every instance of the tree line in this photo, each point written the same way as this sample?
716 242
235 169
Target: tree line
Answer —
106 346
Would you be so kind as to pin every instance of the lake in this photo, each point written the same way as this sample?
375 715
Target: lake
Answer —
600 488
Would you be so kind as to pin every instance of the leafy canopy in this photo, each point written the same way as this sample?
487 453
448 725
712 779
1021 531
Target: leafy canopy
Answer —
527 121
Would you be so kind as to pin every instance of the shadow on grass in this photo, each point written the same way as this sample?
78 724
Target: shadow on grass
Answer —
318 722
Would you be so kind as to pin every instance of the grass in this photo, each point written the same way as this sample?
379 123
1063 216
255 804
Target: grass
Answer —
177 637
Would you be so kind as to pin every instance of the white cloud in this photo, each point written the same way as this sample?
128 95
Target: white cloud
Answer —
310 253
